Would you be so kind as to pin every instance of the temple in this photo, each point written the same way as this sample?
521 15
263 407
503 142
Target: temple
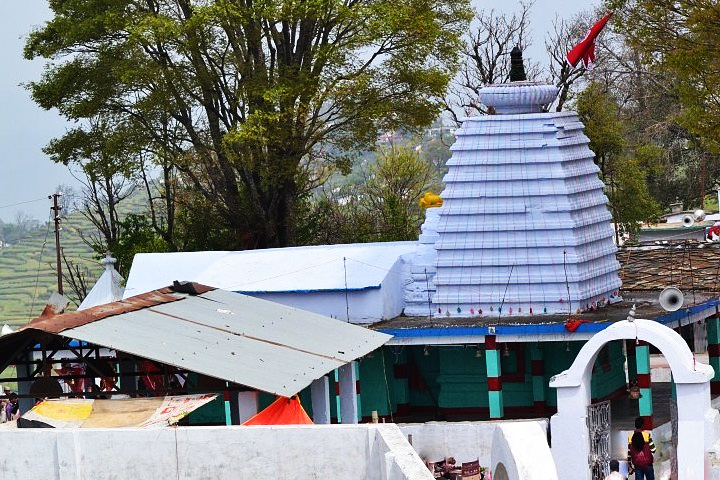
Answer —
515 269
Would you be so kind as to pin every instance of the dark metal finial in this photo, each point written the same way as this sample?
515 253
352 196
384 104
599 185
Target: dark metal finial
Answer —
517 69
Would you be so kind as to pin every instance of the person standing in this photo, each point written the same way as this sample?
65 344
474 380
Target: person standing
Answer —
12 408
615 471
647 437
640 427
641 458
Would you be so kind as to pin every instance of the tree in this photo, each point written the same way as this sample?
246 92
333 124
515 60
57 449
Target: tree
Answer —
106 163
392 190
672 58
138 236
680 40
625 171
77 279
600 114
259 93
630 200
383 206
563 37
486 58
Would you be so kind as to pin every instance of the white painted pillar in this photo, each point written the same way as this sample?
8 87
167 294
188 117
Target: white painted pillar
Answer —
694 415
569 433
247 405
348 393
320 393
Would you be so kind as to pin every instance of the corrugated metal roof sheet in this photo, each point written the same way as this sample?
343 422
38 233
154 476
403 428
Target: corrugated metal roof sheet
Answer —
245 340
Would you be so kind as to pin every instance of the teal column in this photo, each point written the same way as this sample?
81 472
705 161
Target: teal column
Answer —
336 377
492 362
356 366
642 359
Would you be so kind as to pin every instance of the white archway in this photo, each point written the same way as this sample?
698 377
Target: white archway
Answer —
697 420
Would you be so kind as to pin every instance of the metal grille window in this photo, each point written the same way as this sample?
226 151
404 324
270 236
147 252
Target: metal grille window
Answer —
598 423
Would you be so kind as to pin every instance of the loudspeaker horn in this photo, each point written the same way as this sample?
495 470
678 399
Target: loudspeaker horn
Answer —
699 215
671 299
688 220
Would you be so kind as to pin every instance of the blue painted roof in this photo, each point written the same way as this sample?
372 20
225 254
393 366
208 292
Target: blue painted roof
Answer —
670 319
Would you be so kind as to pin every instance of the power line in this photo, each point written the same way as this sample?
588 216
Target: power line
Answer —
22 203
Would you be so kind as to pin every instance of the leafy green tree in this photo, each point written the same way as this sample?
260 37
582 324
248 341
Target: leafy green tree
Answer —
394 186
101 154
600 114
263 96
629 196
382 207
626 172
138 236
680 40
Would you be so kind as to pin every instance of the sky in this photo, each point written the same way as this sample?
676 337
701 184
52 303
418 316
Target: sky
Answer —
28 176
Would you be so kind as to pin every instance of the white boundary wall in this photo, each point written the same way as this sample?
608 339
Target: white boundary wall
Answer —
466 441
373 452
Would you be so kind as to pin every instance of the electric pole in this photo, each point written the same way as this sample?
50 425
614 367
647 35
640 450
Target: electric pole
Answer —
56 217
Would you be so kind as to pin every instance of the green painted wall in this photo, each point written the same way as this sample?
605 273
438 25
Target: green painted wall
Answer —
211 413
454 377
423 386
608 372
377 380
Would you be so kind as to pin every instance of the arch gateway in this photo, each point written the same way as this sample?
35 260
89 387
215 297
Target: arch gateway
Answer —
698 422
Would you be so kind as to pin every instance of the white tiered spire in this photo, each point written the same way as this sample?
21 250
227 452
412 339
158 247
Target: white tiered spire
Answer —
107 288
524 229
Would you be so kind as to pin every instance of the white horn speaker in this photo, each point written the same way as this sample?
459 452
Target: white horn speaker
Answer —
688 220
699 215
671 299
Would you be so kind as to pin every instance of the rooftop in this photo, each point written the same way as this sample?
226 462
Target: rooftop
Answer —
354 266
225 335
646 270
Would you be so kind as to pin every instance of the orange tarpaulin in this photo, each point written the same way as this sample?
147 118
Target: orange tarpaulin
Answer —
283 411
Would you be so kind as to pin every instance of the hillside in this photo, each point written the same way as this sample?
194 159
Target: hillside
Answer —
27 268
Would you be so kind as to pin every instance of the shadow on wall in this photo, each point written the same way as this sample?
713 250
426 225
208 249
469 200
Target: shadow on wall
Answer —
500 473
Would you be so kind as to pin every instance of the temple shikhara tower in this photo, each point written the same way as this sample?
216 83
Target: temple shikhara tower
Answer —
524 228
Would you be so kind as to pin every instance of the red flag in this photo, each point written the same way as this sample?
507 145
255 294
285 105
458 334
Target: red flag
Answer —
573 324
585 50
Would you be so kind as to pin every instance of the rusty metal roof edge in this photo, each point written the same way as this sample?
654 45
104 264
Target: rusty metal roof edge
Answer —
63 321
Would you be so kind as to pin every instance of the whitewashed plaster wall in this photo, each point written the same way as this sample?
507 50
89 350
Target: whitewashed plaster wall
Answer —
372 452
313 278
520 452
466 441
363 306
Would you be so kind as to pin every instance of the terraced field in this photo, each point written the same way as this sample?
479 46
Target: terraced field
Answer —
27 269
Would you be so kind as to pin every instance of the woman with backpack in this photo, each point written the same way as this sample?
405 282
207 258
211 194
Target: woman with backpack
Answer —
641 457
